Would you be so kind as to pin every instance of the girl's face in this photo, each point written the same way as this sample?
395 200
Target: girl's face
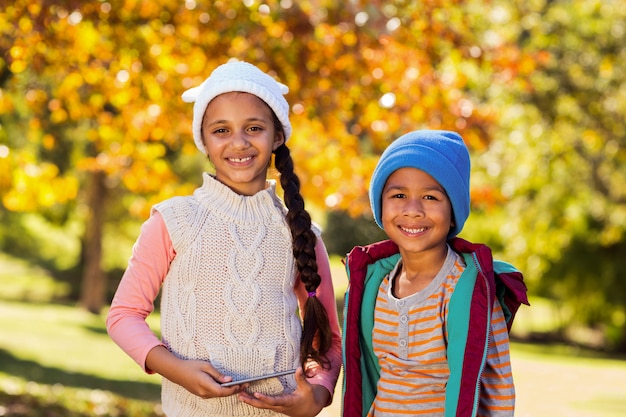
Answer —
416 211
239 137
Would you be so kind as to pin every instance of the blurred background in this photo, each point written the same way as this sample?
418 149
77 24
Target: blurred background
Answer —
93 132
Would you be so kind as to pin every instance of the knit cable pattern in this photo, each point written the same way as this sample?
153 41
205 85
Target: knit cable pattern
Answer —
228 297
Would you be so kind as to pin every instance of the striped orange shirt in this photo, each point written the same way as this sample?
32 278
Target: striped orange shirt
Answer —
409 339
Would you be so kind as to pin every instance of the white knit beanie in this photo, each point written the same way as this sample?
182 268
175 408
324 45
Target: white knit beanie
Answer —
237 76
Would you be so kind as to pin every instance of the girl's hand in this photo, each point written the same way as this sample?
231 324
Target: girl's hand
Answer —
306 401
198 377
202 379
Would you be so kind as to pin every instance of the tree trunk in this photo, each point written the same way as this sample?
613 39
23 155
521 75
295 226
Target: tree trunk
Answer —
621 344
93 282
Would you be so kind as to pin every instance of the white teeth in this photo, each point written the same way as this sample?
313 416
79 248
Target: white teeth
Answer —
421 229
247 158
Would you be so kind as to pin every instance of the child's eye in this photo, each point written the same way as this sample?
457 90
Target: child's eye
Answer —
398 195
219 131
436 196
255 128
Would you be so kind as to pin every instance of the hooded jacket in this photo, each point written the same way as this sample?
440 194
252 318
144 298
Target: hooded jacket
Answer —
483 281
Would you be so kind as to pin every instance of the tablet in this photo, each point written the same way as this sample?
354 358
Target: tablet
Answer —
257 378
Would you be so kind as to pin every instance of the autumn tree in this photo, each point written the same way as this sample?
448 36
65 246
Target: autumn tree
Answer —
91 93
559 158
95 122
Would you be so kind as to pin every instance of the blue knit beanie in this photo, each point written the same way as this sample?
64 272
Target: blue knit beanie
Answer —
439 153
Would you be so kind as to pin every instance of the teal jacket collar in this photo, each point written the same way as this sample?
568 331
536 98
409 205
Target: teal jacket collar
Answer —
482 282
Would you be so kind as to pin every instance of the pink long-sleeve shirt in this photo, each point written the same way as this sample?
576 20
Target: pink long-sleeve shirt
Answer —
147 268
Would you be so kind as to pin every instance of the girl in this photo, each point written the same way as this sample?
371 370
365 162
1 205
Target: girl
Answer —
234 267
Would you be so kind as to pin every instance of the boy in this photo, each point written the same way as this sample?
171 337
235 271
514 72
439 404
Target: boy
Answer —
427 314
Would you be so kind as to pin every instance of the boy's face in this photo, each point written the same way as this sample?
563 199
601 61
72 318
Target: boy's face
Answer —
416 211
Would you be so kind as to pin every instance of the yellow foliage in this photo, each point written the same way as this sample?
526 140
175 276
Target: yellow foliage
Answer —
121 97
48 141
167 62
34 124
58 116
6 169
349 39
87 39
17 52
6 104
152 88
592 140
96 100
18 66
25 24
275 29
107 133
116 87
38 186
157 133
34 8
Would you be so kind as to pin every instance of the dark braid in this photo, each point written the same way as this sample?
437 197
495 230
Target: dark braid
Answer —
316 333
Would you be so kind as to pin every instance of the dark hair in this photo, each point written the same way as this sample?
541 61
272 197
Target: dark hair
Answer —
316 333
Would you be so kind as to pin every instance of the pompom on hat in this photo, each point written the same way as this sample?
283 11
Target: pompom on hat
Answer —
237 76
441 154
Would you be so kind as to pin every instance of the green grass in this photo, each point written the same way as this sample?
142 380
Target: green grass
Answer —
60 355
21 281
64 344
57 360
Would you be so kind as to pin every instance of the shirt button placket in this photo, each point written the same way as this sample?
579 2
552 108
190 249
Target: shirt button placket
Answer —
403 330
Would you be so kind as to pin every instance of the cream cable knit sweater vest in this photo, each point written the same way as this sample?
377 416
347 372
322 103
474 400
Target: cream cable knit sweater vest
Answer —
228 297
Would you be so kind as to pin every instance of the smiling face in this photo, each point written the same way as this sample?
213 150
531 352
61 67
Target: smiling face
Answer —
239 136
416 211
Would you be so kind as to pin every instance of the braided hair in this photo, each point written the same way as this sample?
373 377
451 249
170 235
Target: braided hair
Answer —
316 333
